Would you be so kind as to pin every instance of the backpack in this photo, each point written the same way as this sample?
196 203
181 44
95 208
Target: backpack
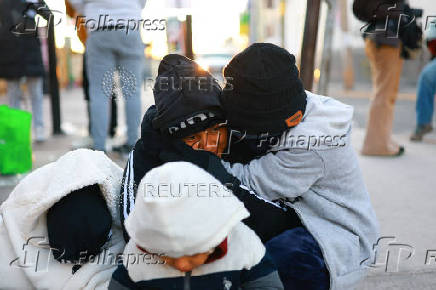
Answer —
410 35
364 10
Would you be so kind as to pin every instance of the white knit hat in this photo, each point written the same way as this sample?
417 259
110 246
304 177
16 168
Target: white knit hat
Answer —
181 210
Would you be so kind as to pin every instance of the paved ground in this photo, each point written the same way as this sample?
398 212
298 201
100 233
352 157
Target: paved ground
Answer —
424 280
402 189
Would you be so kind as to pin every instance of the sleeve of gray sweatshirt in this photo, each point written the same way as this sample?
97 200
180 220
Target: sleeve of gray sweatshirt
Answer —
287 173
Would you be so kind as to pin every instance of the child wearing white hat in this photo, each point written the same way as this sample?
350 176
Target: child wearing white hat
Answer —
187 233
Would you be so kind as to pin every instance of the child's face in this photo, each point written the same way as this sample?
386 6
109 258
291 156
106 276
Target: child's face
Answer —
186 263
213 139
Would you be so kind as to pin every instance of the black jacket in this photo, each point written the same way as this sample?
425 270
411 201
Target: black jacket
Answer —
261 276
20 55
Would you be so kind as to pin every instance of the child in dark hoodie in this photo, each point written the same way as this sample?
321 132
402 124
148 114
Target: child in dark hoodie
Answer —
188 109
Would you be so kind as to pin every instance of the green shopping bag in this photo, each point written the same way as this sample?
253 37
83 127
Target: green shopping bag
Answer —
15 141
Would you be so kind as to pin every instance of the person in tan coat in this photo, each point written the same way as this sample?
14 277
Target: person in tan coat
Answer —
384 54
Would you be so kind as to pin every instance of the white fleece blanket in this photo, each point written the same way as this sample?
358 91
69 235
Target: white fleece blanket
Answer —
26 261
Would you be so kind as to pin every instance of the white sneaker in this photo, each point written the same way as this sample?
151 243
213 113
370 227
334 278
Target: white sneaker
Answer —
40 135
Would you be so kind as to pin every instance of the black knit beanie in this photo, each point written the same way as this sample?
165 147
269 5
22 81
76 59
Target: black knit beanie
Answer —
79 225
186 97
263 93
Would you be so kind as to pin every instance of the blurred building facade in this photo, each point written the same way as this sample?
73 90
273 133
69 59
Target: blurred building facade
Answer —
222 28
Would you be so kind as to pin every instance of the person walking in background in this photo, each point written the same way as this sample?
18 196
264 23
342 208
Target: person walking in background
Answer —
21 60
82 34
426 90
109 49
383 48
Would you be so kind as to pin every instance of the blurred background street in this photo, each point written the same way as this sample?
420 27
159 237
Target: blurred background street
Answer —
403 190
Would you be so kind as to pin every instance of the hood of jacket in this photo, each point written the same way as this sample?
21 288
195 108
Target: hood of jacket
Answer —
325 125
237 258
24 228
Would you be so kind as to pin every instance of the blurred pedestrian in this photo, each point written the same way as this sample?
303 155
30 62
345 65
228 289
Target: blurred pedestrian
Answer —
426 90
21 60
385 47
111 48
82 35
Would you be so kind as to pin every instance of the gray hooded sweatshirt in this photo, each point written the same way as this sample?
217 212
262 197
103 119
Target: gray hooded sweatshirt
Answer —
315 169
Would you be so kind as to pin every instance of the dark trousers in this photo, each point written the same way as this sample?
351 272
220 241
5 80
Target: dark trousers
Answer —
299 260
